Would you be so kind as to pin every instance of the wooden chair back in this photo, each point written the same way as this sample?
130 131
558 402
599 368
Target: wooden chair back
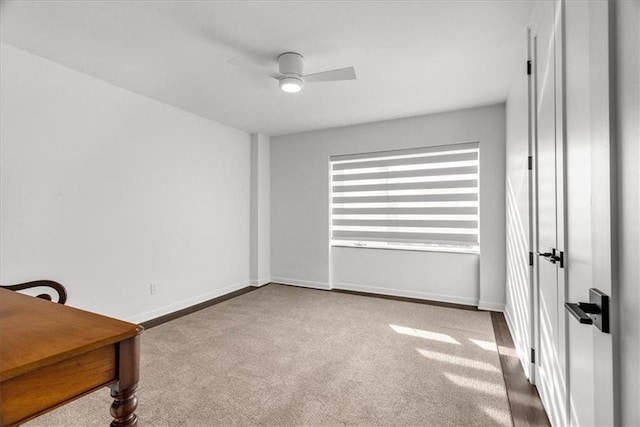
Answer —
53 286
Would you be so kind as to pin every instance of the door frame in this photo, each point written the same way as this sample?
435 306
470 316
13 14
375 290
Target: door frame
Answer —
532 189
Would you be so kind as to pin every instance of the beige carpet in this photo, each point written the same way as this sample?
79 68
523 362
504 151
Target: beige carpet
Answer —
289 356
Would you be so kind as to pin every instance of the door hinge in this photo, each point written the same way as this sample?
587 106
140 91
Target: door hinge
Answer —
528 68
533 355
530 163
530 258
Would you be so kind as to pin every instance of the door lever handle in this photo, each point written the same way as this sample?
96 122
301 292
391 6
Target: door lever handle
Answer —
595 312
553 256
580 310
544 254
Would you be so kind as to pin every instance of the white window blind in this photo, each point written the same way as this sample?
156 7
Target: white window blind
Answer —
420 199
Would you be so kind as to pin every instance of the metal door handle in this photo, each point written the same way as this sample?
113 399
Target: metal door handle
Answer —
553 256
595 312
580 310
544 254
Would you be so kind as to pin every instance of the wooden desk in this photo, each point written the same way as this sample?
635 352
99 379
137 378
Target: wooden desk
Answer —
51 354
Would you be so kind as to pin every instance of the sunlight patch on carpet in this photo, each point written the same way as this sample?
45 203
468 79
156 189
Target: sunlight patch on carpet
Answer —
485 345
457 360
435 336
473 383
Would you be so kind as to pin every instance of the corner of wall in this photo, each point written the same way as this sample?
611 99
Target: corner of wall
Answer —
260 241
491 306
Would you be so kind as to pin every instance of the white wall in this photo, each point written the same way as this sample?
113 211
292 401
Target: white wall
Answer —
437 276
518 309
107 191
260 210
628 153
300 251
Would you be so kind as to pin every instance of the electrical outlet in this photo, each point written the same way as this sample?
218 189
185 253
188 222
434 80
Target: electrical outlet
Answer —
153 288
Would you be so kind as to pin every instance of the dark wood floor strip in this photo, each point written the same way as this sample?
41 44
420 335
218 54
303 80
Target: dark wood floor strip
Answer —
524 401
176 314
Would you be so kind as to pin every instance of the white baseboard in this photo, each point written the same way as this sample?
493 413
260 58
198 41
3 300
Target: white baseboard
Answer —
260 282
406 293
171 308
491 306
302 283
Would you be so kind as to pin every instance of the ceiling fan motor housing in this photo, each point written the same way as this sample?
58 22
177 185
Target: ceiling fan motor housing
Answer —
291 64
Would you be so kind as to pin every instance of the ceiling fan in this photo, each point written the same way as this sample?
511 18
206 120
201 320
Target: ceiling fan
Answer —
291 76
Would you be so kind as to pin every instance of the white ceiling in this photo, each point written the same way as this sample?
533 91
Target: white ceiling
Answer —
411 57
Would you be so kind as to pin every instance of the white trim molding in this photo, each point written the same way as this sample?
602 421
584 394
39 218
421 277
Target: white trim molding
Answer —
301 283
491 306
406 293
260 282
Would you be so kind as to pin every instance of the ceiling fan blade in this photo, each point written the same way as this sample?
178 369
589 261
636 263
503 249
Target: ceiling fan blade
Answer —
253 66
348 73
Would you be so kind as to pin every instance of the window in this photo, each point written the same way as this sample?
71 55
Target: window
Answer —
417 199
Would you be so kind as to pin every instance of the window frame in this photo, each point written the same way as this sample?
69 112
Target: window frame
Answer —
413 153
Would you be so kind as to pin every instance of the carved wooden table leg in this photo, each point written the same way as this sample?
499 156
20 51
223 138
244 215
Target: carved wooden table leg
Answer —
123 391
123 408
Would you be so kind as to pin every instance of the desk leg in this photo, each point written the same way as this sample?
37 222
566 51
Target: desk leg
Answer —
123 391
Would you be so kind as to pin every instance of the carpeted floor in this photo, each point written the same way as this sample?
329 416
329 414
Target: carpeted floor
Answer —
289 356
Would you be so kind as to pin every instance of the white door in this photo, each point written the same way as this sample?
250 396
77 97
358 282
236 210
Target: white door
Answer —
574 363
588 205
548 271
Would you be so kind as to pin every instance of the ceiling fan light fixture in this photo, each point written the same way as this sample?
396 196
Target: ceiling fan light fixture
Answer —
291 84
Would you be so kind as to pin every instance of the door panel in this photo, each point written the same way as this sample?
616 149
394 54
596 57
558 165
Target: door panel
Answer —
579 259
550 366
588 205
